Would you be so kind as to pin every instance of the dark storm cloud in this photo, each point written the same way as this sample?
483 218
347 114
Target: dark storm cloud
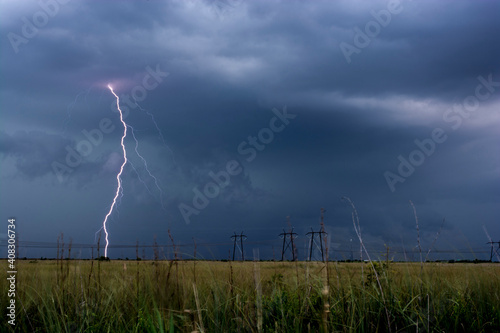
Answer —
229 64
33 151
37 154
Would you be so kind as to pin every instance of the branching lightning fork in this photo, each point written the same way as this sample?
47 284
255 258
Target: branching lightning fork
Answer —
160 134
146 168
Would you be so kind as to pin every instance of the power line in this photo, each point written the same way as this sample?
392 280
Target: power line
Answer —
289 240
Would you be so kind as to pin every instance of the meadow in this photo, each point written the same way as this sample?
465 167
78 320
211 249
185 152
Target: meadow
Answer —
215 296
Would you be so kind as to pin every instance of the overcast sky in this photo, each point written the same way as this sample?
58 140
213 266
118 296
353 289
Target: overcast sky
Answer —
248 112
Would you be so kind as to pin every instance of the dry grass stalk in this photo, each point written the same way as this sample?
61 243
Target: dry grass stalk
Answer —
356 229
434 241
194 261
325 295
176 256
258 289
418 237
198 308
230 278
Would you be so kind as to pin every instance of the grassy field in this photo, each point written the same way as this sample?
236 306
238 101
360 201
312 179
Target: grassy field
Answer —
207 296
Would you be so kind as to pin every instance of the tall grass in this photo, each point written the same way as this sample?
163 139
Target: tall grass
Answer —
163 296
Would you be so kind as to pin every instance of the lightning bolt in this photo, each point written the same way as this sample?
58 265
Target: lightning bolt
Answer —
118 176
140 179
146 167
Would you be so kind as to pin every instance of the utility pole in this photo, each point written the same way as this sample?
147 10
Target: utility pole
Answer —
312 241
496 251
288 238
239 244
